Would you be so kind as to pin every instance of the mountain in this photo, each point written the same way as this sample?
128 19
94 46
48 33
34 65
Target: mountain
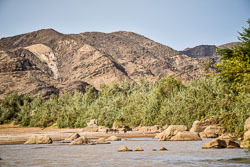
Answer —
47 62
206 50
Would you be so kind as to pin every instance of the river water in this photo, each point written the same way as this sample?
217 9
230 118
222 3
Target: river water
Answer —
180 153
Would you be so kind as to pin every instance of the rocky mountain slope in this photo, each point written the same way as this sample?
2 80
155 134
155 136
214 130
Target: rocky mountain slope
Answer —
206 50
46 61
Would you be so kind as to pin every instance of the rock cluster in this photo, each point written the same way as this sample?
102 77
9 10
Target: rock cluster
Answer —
206 128
177 133
44 139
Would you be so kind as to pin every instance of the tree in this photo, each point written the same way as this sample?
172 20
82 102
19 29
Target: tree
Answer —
234 65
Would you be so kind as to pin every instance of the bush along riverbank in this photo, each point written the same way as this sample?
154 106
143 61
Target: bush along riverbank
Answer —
167 101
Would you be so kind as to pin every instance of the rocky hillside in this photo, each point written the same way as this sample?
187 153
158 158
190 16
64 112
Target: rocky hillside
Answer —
46 61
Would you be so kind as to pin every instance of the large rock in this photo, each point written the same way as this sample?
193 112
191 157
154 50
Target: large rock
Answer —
171 131
200 126
39 140
231 144
113 138
216 143
185 136
123 149
80 141
102 141
139 149
212 131
247 124
246 141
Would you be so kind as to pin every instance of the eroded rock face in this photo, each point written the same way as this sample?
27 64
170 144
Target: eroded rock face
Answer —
185 136
39 140
47 62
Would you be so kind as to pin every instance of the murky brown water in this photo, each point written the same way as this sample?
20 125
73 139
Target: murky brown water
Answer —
178 154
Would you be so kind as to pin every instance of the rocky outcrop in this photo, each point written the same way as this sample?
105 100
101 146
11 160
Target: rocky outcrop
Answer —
211 131
200 126
39 140
246 140
220 143
113 138
216 143
80 141
124 149
185 136
171 131
163 149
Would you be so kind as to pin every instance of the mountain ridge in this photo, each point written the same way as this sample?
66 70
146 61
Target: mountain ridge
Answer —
44 62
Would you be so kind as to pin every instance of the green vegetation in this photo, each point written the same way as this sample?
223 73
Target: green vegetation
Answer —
225 96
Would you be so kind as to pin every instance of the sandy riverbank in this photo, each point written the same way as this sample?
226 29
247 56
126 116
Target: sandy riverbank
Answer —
10 134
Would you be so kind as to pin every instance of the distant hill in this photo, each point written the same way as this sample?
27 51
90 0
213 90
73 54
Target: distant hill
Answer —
206 50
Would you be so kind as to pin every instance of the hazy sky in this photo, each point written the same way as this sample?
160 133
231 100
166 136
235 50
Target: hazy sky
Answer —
176 23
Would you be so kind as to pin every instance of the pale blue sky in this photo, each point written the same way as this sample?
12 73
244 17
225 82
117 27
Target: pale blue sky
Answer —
176 23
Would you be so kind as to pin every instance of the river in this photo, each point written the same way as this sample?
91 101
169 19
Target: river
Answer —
180 153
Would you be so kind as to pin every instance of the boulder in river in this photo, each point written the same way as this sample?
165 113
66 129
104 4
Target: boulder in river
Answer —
44 139
113 138
139 149
185 136
102 141
163 149
216 143
123 149
80 141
